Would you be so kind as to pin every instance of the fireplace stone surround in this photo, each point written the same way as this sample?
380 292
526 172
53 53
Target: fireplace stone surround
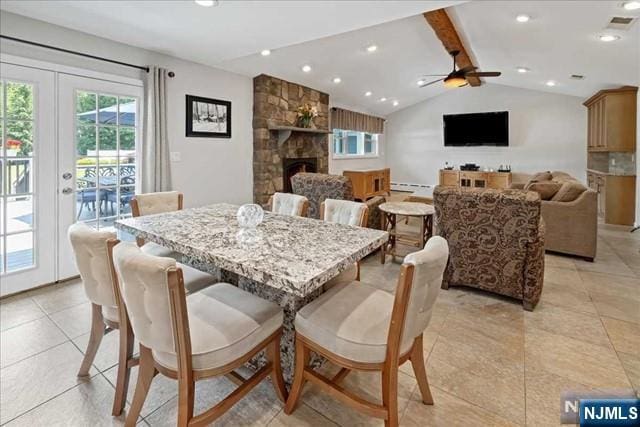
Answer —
274 104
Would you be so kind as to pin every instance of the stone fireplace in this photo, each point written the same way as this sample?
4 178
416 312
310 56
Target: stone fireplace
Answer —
279 150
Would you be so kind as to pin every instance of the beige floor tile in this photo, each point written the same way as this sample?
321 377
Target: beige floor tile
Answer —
74 321
611 284
303 416
87 404
558 320
33 381
625 336
107 355
59 296
162 389
258 407
17 310
559 261
576 360
618 307
568 297
543 396
607 264
566 277
631 364
448 410
367 385
28 339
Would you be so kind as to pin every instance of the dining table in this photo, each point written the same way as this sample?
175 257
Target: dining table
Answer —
285 259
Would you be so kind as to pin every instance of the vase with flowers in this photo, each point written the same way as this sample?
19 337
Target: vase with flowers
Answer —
306 113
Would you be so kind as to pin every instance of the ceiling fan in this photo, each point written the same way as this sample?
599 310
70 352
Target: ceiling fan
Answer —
458 78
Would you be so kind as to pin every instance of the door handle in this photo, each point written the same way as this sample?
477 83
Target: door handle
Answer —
67 176
67 190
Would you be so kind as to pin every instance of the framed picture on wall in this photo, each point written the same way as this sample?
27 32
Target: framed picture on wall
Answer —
208 118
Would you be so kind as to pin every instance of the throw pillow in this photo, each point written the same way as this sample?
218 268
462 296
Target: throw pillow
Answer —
569 191
546 189
539 177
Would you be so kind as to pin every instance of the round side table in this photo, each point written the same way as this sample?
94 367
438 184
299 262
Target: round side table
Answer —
390 211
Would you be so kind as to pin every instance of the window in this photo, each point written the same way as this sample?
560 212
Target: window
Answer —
349 143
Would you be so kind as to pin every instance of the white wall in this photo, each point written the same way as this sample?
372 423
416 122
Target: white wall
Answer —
211 170
546 132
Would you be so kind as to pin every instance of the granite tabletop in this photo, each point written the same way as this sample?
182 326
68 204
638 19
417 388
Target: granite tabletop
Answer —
294 254
407 208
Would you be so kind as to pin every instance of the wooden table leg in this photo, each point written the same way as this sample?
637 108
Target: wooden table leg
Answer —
384 228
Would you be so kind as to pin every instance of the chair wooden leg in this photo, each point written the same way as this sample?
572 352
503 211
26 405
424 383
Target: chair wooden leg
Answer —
125 353
390 394
302 359
417 361
186 390
95 338
146 372
273 355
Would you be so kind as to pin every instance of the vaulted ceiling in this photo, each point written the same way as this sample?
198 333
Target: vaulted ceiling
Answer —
331 37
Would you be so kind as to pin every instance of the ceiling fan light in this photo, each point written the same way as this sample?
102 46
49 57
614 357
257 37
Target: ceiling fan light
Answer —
455 81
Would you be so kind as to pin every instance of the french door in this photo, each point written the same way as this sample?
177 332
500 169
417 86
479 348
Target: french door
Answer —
99 134
27 190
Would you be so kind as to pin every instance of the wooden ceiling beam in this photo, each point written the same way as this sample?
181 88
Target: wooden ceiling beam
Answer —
445 31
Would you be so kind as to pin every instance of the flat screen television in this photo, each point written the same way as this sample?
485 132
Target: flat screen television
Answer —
467 130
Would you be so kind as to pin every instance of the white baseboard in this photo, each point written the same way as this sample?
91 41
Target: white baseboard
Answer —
407 186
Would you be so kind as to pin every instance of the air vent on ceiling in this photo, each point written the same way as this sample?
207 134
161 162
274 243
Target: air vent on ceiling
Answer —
577 76
620 23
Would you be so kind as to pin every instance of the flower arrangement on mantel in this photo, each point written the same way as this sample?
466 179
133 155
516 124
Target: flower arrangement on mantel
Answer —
306 113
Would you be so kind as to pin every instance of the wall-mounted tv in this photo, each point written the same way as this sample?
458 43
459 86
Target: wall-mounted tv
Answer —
467 130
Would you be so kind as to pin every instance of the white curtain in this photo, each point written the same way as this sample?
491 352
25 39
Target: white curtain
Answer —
155 166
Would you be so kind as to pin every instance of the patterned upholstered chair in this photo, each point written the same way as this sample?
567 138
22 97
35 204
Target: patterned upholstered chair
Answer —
156 203
318 186
288 204
496 240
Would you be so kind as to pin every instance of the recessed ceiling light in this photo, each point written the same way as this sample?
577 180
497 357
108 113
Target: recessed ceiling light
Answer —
306 68
367 93
523 18
206 3
522 70
372 48
608 37
383 99
337 80
421 82
265 52
550 83
631 5
395 103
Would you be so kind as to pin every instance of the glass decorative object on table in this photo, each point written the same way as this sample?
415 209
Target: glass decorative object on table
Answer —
250 215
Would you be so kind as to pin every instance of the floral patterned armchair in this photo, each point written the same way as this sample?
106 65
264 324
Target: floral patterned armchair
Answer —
319 186
496 240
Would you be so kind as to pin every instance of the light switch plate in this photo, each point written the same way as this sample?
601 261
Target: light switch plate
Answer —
175 156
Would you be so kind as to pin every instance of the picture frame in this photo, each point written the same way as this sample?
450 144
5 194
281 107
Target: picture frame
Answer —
207 117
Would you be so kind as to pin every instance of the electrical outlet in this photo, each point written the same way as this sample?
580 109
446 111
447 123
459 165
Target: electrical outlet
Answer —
175 156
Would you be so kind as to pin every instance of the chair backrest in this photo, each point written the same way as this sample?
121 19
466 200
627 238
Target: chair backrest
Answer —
317 187
144 286
289 204
155 203
91 255
428 268
344 212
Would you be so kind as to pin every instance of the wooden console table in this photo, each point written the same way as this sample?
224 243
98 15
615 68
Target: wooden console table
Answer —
475 179
368 183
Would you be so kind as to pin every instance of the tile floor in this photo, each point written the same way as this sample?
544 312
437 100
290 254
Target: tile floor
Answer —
489 362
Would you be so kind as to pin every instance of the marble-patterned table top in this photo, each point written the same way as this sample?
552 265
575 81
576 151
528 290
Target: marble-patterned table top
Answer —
294 254
407 208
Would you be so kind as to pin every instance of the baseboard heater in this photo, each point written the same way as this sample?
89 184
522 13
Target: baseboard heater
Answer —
407 186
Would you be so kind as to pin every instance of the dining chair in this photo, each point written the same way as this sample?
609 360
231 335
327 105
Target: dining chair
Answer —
189 338
367 329
155 203
348 213
288 204
90 249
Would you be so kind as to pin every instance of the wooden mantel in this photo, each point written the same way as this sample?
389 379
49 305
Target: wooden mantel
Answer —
284 132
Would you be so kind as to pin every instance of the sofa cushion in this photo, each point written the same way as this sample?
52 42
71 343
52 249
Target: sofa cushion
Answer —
546 189
569 191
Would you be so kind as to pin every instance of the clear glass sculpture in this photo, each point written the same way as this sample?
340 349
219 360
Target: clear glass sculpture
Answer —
250 215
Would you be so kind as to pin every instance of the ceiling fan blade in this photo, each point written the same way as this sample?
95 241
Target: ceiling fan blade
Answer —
484 74
430 83
435 75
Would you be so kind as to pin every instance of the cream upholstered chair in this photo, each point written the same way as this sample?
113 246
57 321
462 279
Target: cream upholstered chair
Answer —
90 249
288 204
348 213
155 203
364 328
208 333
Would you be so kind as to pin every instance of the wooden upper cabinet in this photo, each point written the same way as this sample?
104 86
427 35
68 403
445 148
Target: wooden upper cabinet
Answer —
612 120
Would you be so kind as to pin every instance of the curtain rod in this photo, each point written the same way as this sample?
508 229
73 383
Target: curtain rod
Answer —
73 52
